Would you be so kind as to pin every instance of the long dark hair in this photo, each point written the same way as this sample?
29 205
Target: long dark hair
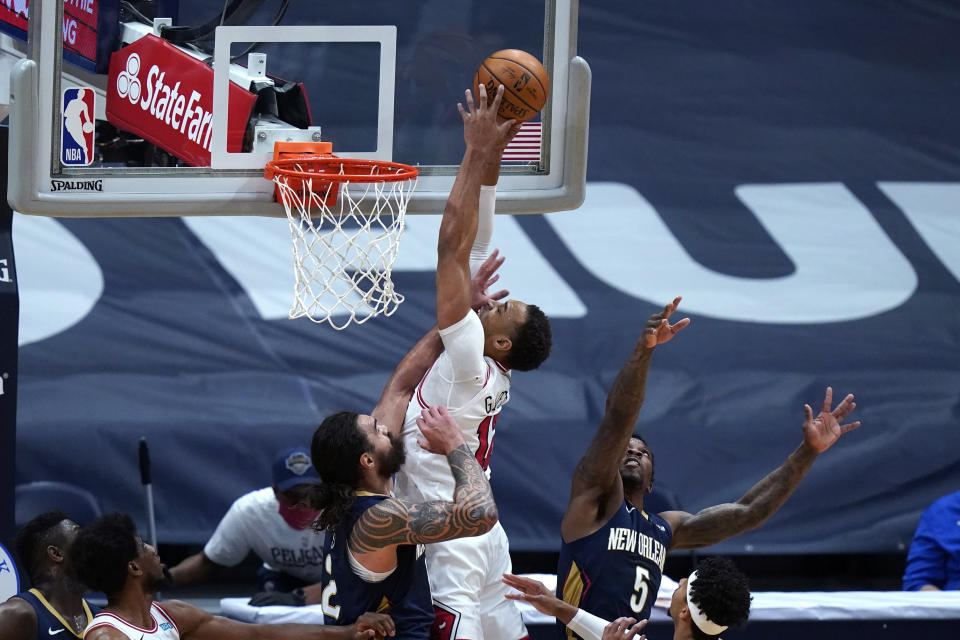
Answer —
335 450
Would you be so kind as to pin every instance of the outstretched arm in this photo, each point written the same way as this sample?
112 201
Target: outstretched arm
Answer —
713 524
585 625
541 598
458 226
471 513
196 624
597 491
195 568
392 406
488 200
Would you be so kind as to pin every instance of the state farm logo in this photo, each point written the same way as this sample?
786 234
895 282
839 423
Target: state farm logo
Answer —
128 85
165 101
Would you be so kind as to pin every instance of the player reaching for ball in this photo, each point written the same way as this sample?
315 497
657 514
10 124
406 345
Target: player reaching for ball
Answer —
612 552
472 379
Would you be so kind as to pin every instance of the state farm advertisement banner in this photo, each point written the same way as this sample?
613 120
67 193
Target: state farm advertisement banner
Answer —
165 95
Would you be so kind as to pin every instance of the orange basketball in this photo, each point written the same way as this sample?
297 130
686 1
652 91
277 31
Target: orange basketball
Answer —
525 82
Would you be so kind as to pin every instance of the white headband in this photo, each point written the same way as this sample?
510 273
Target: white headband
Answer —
699 617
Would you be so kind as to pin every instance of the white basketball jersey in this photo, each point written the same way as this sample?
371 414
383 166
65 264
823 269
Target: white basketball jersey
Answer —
473 392
164 628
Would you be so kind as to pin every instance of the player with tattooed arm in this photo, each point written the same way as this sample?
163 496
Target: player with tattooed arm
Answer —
356 465
612 551
374 553
472 378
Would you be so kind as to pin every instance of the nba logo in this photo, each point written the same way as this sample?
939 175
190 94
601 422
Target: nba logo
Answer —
76 139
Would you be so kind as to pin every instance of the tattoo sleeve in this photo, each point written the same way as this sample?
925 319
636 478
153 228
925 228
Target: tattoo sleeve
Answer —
713 524
600 463
472 512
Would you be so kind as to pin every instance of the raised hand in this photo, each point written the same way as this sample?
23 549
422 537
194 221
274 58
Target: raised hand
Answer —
441 433
822 431
511 134
486 276
659 330
481 128
623 629
536 593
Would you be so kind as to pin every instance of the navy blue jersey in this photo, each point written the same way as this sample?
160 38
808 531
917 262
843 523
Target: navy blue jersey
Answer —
404 594
616 570
50 624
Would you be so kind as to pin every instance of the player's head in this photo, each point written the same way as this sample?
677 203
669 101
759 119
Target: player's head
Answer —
109 555
350 451
636 468
714 597
43 544
293 481
516 334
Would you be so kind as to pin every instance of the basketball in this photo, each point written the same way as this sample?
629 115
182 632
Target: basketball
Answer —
87 127
525 82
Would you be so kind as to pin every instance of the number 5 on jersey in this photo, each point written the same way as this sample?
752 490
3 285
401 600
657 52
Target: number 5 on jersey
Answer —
641 589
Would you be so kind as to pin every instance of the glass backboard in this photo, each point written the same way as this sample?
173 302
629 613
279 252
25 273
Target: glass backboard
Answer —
165 120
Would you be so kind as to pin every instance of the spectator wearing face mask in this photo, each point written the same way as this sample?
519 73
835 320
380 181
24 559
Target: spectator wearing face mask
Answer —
275 524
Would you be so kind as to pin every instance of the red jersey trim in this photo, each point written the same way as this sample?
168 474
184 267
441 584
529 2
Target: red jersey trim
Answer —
106 614
419 393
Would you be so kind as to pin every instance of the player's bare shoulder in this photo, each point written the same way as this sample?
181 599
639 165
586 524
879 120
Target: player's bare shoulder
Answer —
105 633
18 618
15 608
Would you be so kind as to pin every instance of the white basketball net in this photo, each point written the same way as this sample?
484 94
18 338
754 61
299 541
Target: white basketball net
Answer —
344 252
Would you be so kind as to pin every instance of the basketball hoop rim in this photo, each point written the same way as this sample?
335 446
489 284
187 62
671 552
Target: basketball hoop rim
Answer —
309 167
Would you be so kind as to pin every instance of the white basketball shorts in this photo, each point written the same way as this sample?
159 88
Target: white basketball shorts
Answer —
468 594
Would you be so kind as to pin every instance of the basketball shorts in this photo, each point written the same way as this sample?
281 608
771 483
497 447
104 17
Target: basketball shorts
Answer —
468 594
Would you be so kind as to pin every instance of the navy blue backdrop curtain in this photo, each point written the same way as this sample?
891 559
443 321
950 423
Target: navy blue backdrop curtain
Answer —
792 168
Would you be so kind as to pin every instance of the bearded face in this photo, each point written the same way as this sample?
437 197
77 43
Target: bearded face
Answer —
391 460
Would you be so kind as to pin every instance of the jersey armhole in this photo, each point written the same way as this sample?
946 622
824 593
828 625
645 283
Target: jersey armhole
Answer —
367 575
167 615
